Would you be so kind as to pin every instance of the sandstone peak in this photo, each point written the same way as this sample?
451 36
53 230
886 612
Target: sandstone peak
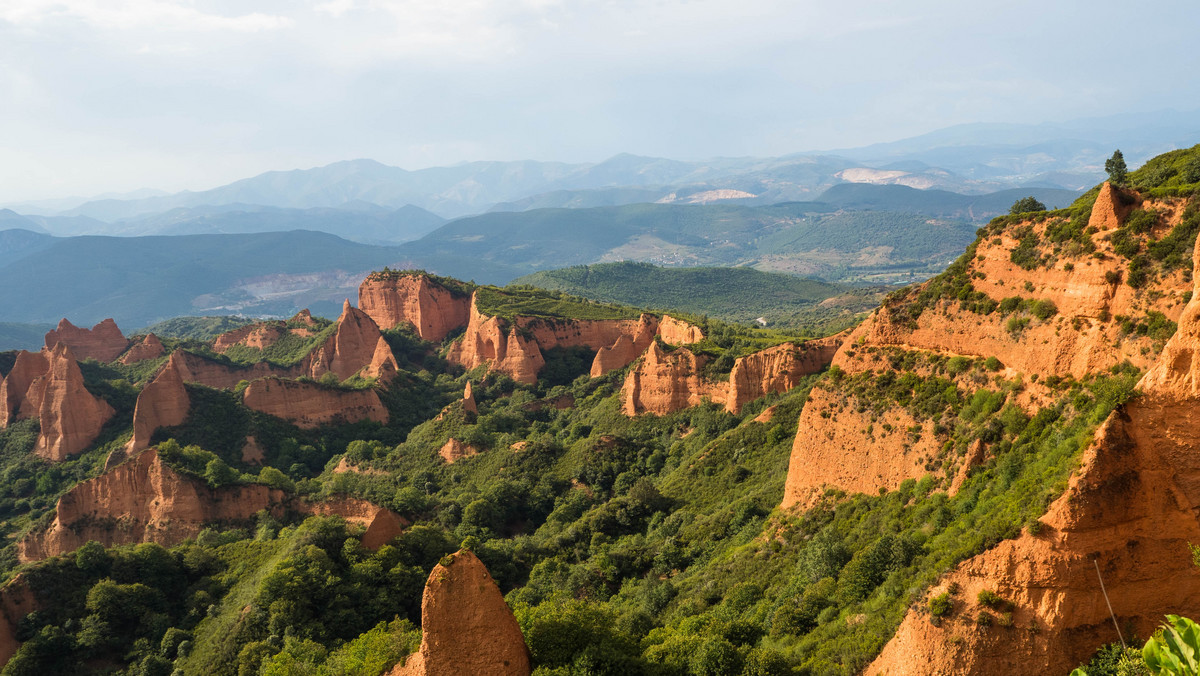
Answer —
678 332
164 402
665 382
1109 210
468 400
103 342
466 627
14 390
357 346
70 417
303 317
149 347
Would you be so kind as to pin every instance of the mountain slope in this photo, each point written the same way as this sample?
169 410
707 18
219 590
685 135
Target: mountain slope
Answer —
140 280
731 294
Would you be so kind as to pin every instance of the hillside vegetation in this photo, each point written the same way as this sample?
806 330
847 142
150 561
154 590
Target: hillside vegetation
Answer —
739 295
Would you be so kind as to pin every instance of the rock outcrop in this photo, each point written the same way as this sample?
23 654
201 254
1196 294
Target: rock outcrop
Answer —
196 369
1079 338
628 346
70 417
678 332
309 405
149 347
164 402
358 347
103 342
143 500
414 299
466 627
14 390
778 369
382 524
454 450
16 601
259 336
468 400
665 382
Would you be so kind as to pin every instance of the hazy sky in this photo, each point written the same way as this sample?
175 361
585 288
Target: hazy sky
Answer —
99 95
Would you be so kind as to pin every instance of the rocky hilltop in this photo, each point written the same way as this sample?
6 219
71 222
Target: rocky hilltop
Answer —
102 342
1061 314
432 309
467 628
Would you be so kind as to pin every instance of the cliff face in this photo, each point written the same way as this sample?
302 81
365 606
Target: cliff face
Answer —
1081 337
357 347
431 309
163 402
14 390
143 500
308 405
515 348
69 415
466 626
260 336
665 382
196 369
149 347
16 601
103 342
778 369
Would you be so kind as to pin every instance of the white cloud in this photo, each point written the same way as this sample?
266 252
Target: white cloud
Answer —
124 15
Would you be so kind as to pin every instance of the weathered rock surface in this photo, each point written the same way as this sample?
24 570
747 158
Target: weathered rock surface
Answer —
143 500
468 400
678 332
196 369
260 336
103 342
430 308
778 369
70 417
454 450
665 382
1080 339
628 346
164 402
16 601
149 347
466 626
14 390
309 405
357 348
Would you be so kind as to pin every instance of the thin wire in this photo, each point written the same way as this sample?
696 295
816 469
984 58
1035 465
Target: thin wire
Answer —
1110 610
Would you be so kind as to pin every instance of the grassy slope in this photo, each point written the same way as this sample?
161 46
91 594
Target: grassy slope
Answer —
731 294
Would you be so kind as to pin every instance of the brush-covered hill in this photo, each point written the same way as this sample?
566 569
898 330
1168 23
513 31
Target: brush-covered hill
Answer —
797 238
739 295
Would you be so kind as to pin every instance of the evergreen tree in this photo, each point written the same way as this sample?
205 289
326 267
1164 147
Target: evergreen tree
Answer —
1118 173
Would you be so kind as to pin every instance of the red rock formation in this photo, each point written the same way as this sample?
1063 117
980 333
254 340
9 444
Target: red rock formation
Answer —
103 342
665 382
16 601
778 369
303 317
14 402
260 336
143 500
149 347
430 308
1079 340
162 403
308 405
454 450
196 369
627 348
70 417
1109 210
468 400
466 627
252 452
678 332
357 348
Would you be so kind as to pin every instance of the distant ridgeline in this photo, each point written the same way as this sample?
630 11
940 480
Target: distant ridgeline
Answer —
461 478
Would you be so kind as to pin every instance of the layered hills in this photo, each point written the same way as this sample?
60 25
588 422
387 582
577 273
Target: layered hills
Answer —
594 487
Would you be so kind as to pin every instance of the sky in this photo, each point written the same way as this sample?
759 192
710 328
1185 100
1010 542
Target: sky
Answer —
118 95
